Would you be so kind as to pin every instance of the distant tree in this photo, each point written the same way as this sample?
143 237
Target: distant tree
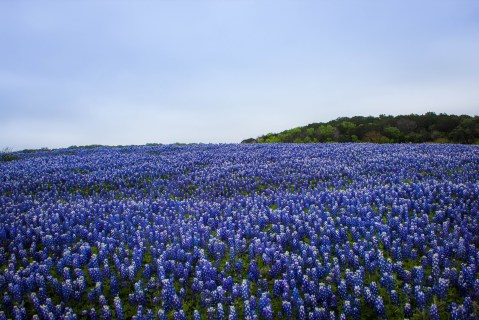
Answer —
250 140
392 133
375 137
406 125
438 137
346 126
272 139
429 127
413 137
326 132
6 154
445 123
467 131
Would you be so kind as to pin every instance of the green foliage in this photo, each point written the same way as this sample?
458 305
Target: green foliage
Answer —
250 140
326 132
375 137
8 157
392 133
346 126
429 127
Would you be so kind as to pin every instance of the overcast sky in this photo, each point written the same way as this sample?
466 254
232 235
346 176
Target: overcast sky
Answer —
132 72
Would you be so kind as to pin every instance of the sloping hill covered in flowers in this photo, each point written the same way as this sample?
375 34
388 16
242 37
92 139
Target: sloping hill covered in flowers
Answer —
336 231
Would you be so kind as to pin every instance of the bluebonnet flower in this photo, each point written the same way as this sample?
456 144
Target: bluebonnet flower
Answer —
179 315
19 313
118 308
196 315
211 313
287 309
220 313
301 313
119 215
232 313
468 306
441 288
395 297
434 312
93 314
379 308
161 315
106 313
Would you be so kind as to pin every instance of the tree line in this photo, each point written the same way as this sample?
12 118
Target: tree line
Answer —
429 127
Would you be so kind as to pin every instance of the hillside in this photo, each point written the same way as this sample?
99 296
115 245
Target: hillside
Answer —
429 127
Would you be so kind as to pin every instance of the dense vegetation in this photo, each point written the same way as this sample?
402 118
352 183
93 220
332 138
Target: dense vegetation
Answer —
283 231
429 127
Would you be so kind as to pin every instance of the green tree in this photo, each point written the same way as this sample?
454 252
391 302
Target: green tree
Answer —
326 132
406 128
345 126
406 125
375 137
467 131
392 133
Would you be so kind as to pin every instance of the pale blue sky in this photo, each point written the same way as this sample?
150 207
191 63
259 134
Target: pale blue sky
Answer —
132 72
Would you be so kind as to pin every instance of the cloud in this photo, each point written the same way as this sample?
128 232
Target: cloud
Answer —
86 73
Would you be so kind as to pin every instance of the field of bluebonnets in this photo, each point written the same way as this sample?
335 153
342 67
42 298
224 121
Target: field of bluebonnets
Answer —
331 231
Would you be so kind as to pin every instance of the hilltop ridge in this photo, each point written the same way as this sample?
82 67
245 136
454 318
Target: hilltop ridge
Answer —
429 127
